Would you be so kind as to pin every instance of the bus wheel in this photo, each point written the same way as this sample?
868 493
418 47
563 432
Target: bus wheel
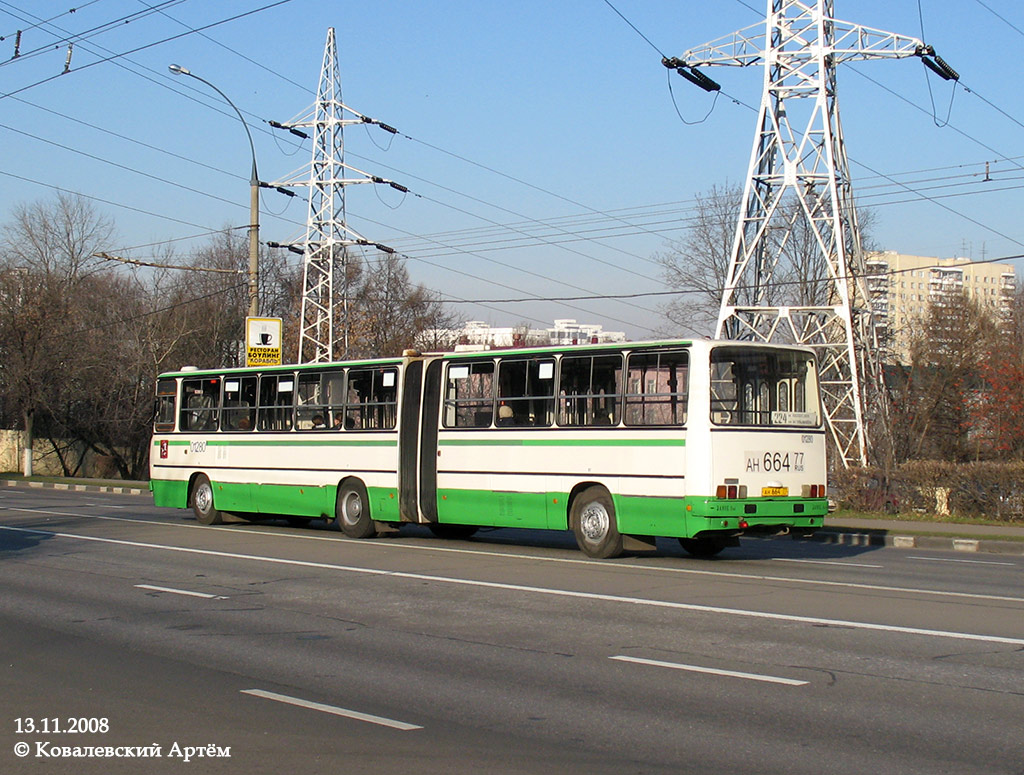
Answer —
353 511
202 502
593 523
452 531
701 547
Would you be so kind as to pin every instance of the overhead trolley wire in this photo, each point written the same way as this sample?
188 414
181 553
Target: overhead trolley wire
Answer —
137 49
52 18
80 36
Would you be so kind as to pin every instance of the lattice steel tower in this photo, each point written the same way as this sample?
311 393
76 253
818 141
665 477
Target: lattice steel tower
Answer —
328 236
798 178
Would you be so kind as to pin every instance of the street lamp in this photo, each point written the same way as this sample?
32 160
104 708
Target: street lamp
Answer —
254 199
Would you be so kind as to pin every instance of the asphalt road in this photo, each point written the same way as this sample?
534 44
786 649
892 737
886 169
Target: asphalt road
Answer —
281 649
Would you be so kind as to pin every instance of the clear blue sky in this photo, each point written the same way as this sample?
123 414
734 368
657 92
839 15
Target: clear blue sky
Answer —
564 96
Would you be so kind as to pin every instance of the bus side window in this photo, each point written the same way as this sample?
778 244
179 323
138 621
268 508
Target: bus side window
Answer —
319 400
526 392
469 395
590 389
657 388
239 409
276 397
372 401
200 399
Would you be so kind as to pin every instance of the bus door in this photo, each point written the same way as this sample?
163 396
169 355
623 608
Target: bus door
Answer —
429 414
408 440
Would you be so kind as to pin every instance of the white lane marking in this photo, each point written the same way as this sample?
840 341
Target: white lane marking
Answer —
826 562
180 592
394 546
639 601
352 714
969 562
712 671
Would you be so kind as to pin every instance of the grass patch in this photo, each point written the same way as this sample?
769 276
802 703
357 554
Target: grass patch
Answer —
8 476
946 519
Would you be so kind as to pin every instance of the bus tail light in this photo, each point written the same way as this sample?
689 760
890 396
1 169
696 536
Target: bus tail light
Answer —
731 490
813 490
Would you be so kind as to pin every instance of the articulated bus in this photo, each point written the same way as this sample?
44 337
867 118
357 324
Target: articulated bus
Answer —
703 441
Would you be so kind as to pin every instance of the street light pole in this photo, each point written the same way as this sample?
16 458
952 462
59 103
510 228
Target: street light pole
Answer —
254 199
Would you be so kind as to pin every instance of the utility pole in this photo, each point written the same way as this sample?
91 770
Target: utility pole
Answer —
328 237
799 171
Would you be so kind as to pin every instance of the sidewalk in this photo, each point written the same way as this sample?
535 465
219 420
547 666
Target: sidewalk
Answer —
78 485
846 531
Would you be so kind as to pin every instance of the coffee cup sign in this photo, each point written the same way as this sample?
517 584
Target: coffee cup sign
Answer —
262 341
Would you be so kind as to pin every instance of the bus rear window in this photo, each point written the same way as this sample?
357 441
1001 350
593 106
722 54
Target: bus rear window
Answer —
764 388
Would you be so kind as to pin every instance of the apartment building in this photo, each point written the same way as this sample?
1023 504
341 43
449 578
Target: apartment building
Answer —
476 334
902 287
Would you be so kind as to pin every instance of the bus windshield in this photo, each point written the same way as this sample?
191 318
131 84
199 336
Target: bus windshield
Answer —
763 388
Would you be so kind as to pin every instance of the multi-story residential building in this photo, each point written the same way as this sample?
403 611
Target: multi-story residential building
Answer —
476 334
902 287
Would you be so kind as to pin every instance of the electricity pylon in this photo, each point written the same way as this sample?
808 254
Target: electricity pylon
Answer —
328 237
799 178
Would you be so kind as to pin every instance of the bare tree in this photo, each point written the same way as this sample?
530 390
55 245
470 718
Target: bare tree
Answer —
45 254
390 313
697 264
935 393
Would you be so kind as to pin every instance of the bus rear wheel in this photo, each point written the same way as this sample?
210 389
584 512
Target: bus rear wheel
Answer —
702 547
352 510
202 502
593 523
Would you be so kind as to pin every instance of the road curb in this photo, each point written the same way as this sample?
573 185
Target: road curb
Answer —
931 542
828 535
78 487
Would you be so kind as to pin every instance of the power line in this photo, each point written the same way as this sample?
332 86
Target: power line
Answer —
229 202
695 291
102 200
52 18
956 129
634 27
999 16
80 36
137 49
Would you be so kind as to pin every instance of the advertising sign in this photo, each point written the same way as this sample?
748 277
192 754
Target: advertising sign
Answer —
263 341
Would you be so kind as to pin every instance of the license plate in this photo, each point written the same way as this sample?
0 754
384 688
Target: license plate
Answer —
774 492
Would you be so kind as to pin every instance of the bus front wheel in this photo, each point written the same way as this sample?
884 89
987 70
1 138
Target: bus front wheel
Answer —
593 524
353 511
202 502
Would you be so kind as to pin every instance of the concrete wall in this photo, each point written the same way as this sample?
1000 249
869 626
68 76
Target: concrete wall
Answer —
45 461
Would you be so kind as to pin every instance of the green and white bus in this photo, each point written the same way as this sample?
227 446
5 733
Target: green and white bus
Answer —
700 440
